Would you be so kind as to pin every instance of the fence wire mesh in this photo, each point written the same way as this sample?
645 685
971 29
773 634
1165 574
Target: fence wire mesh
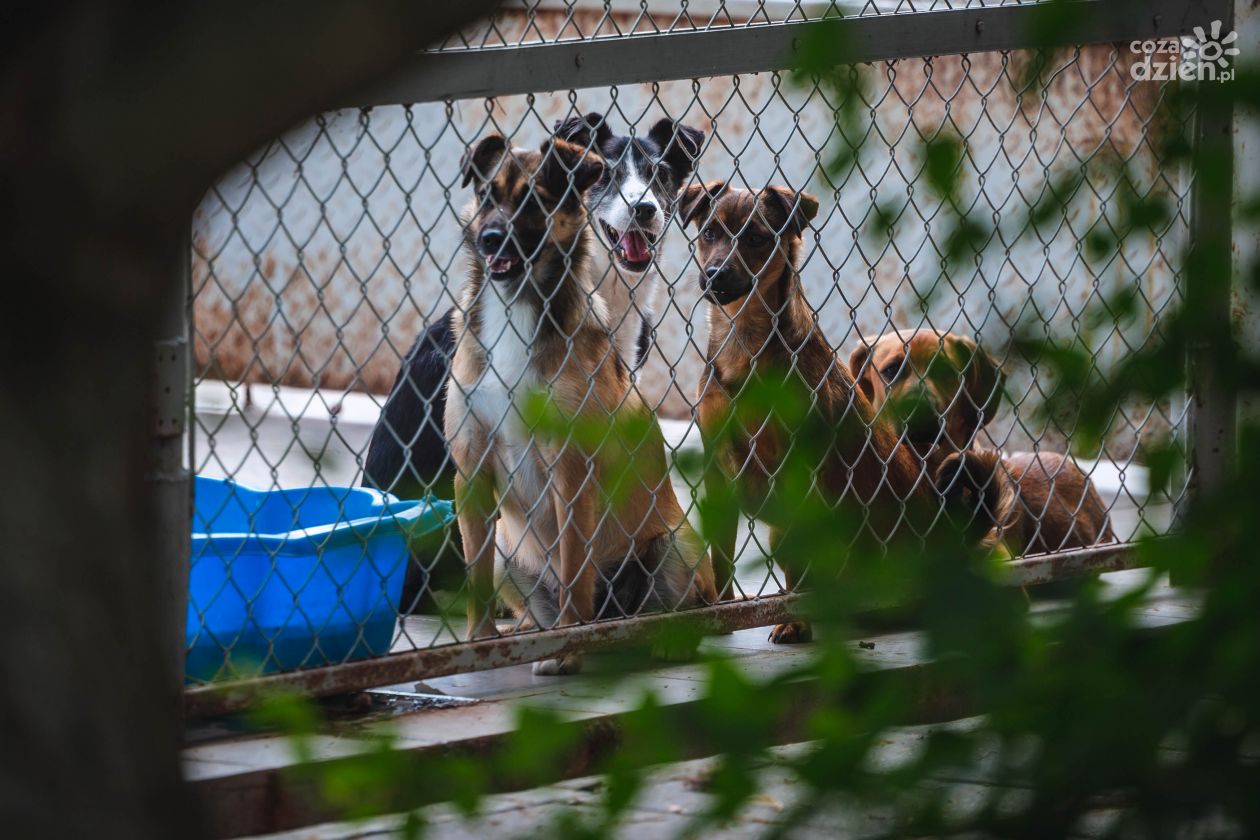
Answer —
326 268
530 22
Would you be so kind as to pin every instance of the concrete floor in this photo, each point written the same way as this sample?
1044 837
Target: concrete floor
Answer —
675 793
672 797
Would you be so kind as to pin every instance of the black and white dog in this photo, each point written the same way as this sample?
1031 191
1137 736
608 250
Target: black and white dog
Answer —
629 208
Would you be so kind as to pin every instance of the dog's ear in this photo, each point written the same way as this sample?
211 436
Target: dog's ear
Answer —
983 381
865 376
589 131
680 146
798 209
566 163
480 160
696 201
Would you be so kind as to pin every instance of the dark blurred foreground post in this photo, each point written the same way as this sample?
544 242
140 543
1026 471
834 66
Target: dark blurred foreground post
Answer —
1210 290
114 117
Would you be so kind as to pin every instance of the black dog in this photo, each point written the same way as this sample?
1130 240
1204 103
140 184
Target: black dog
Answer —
407 455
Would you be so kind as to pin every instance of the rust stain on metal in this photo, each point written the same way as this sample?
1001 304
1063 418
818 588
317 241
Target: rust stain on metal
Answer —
1047 568
484 654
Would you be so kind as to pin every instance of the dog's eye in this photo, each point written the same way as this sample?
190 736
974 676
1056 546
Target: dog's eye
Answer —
709 234
890 371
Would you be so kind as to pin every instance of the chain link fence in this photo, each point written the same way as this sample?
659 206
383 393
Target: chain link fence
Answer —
326 267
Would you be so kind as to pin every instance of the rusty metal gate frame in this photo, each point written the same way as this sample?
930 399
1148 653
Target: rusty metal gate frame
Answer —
459 74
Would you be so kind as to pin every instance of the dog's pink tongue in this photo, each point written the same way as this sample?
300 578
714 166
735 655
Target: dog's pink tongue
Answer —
635 246
500 264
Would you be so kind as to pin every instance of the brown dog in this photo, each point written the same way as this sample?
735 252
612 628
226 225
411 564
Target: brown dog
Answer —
526 323
941 389
1028 502
761 326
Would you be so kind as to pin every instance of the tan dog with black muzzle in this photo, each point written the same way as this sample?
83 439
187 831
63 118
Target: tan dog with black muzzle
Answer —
528 324
761 327
941 389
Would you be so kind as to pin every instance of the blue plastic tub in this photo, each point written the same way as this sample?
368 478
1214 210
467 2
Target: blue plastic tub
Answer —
296 578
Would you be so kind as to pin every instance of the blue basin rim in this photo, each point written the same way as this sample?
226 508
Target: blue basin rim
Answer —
412 518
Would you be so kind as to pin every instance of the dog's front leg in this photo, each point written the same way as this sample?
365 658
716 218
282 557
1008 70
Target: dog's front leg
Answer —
798 630
574 497
474 501
721 518
723 529
721 511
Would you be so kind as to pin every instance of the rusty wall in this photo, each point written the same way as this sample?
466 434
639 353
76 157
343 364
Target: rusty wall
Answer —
318 261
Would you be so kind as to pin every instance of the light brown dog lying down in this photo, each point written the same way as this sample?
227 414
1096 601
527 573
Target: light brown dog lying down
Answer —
1029 502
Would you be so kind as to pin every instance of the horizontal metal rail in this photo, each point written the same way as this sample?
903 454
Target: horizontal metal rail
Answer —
635 59
1037 569
486 654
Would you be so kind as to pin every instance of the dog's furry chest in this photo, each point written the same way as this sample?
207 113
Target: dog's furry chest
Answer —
754 451
748 456
509 353
495 398
630 301
752 458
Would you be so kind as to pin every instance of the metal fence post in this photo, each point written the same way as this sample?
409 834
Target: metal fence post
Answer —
1246 238
1212 412
168 470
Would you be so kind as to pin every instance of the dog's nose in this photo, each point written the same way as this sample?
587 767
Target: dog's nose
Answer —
713 274
491 239
644 211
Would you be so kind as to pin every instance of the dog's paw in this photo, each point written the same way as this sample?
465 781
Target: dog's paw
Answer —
486 631
558 667
792 633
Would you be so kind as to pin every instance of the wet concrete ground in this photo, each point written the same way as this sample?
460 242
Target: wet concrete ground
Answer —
675 795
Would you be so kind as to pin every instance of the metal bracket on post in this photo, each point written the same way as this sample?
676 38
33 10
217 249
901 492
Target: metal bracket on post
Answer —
170 387
168 472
